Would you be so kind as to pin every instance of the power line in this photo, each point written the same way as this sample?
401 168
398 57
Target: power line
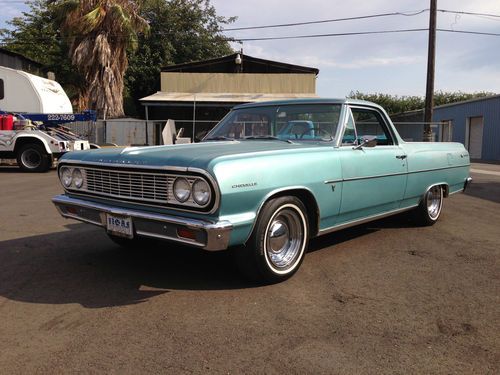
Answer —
468 32
328 35
361 33
472 32
408 14
469 13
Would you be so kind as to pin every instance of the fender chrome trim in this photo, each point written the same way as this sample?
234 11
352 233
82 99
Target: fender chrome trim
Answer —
364 220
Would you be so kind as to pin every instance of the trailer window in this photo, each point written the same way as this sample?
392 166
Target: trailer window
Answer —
1 89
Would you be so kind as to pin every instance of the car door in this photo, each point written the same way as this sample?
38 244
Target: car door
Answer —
374 178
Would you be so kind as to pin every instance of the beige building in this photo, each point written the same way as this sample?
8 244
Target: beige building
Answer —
196 95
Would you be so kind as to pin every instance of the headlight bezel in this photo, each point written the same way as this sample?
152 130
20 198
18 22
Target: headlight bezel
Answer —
190 184
69 177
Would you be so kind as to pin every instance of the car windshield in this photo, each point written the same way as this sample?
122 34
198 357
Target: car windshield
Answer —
311 122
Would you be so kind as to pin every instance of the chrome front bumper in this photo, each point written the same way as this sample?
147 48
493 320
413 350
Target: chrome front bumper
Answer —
211 236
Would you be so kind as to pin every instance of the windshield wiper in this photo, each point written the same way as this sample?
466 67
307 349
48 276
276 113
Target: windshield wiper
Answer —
219 138
271 137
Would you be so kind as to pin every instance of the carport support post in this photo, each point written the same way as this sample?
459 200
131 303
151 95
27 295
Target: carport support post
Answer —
431 57
194 115
147 118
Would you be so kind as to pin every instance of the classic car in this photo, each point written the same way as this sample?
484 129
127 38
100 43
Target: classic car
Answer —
265 180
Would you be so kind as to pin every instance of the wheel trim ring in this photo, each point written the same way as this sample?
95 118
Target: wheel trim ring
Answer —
300 242
28 156
434 202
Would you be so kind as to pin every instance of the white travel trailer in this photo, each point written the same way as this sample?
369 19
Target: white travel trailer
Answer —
24 92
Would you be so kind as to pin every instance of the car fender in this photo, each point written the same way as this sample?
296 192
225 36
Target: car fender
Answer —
280 192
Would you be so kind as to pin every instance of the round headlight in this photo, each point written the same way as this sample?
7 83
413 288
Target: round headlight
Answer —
77 178
182 189
66 177
201 192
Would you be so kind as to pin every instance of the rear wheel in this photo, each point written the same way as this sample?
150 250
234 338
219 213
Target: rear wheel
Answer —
33 158
277 245
429 210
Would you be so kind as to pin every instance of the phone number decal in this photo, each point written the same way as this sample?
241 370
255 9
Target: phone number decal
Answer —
61 117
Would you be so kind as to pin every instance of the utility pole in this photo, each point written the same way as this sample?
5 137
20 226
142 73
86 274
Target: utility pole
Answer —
431 58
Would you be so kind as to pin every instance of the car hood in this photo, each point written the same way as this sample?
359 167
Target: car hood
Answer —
197 155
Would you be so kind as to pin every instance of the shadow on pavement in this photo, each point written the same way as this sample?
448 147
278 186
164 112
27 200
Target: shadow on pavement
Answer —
488 190
9 169
398 221
16 169
83 266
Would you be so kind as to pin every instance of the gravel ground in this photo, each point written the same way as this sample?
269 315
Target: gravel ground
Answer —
385 297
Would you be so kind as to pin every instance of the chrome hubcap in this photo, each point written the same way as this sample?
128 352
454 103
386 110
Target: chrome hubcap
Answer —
434 199
284 238
31 158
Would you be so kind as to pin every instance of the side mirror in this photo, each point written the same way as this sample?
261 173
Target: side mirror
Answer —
367 141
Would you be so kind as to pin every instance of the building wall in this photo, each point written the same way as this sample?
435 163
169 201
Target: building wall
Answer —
238 83
489 109
18 63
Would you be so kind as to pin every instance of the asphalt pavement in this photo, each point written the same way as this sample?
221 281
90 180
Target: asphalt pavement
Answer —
385 297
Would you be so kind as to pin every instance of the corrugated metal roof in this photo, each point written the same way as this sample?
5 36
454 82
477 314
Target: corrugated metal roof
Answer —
480 99
221 97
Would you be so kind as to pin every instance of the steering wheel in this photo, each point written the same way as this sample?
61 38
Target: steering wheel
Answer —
317 130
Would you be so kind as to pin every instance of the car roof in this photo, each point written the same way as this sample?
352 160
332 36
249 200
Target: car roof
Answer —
308 101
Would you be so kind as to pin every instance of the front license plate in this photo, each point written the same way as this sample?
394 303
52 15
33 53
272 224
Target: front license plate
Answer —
119 225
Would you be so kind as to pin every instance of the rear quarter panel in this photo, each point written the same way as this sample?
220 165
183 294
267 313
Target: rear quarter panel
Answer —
431 163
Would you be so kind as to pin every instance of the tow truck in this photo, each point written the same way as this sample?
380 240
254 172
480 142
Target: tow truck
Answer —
33 111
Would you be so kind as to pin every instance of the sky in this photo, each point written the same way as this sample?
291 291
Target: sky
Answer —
393 64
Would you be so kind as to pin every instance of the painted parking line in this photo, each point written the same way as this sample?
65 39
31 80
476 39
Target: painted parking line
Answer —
483 171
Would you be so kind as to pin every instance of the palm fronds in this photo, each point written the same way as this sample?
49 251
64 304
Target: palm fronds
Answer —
99 33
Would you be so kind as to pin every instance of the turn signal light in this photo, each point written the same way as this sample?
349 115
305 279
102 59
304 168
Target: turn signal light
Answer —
72 210
186 233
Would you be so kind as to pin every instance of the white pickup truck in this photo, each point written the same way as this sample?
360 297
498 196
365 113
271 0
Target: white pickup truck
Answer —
34 147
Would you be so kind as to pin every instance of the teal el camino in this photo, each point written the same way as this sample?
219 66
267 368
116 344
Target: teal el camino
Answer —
265 180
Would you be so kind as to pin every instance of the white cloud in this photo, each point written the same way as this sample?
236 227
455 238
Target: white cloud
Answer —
394 63
314 61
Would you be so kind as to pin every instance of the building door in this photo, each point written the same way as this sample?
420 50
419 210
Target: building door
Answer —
446 131
475 137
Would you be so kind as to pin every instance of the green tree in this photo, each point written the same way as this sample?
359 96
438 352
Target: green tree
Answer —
397 104
180 31
445 97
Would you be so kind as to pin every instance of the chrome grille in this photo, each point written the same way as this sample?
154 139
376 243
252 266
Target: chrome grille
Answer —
140 186
152 187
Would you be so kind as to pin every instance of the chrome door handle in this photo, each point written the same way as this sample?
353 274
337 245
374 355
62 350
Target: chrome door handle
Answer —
401 157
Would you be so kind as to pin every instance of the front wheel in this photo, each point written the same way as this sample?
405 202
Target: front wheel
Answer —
33 158
277 245
429 210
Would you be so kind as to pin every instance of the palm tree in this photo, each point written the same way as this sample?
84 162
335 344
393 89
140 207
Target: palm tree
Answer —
99 33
